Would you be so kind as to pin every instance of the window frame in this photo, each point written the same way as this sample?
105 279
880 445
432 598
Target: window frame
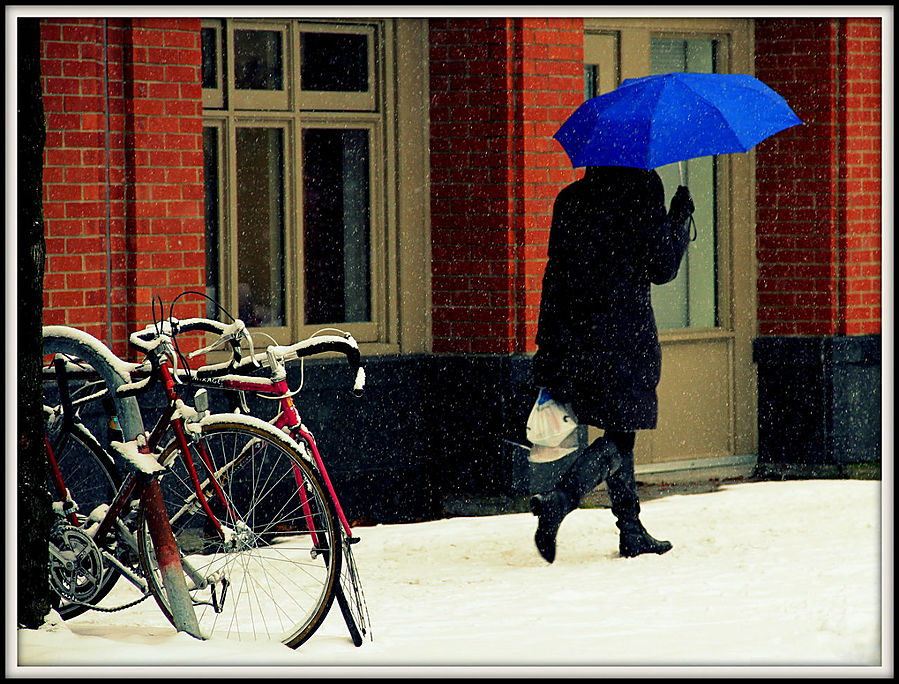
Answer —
734 198
224 240
289 226
600 46
384 330
255 99
312 100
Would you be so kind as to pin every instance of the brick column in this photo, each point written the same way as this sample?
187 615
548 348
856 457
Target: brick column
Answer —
122 99
499 89
74 171
860 183
163 144
819 194
550 86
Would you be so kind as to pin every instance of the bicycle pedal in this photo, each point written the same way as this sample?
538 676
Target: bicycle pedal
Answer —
218 603
353 540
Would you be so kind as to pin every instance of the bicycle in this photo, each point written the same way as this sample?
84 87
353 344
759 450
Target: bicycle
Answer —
257 532
83 548
227 377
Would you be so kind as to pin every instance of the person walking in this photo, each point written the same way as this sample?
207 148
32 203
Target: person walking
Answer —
598 347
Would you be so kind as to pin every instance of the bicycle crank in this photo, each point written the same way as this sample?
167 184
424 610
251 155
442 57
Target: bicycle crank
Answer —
76 564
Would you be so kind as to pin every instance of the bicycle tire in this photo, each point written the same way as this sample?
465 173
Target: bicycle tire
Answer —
92 479
349 595
351 599
281 561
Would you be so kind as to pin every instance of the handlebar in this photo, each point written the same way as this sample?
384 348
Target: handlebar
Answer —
147 340
150 337
343 344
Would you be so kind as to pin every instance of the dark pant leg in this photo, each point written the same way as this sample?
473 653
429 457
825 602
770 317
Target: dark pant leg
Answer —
591 467
622 484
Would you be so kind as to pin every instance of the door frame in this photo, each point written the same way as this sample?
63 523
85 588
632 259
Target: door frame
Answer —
737 311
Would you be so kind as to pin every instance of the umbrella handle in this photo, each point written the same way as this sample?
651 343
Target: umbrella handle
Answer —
680 168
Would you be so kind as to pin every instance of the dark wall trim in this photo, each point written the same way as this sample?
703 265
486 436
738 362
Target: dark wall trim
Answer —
428 428
819 401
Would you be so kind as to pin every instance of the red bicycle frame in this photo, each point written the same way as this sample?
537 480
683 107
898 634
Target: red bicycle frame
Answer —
168 384
59 484
288 418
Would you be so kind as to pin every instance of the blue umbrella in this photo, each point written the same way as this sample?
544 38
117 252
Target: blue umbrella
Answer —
656 120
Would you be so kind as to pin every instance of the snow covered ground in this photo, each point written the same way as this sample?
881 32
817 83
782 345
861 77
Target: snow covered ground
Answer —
767 575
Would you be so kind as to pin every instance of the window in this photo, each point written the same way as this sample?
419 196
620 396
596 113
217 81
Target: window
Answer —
211 40
211 157
336 215
258 60
690 300
257 72
297 181
261 289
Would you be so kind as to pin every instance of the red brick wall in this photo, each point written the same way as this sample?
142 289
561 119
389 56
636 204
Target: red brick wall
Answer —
499 89
153 203
818 185
860 176
550 86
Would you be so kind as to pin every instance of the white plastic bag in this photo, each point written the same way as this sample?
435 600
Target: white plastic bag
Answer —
550 422
545 454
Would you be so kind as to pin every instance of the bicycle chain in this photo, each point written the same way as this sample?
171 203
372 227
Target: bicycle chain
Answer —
101 609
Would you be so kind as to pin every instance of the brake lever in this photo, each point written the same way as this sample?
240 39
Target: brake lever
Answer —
252 350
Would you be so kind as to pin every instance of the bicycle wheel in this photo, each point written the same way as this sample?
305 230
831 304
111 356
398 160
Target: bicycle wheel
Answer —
91 479
271 571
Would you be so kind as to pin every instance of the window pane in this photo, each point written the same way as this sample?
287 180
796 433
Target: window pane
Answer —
258 64
668 55
690 300
336 225
209 39
211 187
260 226
591 74
334 62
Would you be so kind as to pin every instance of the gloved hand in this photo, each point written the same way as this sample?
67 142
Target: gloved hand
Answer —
560 393
682 206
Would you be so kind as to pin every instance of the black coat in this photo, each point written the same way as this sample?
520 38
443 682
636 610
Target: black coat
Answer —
598 346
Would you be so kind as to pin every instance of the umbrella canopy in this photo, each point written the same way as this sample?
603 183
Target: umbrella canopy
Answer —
656 120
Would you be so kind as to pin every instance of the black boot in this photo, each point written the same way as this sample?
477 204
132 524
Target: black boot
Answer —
591 467
550 509
634 539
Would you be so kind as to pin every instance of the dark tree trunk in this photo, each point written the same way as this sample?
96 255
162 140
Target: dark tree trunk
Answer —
34 514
